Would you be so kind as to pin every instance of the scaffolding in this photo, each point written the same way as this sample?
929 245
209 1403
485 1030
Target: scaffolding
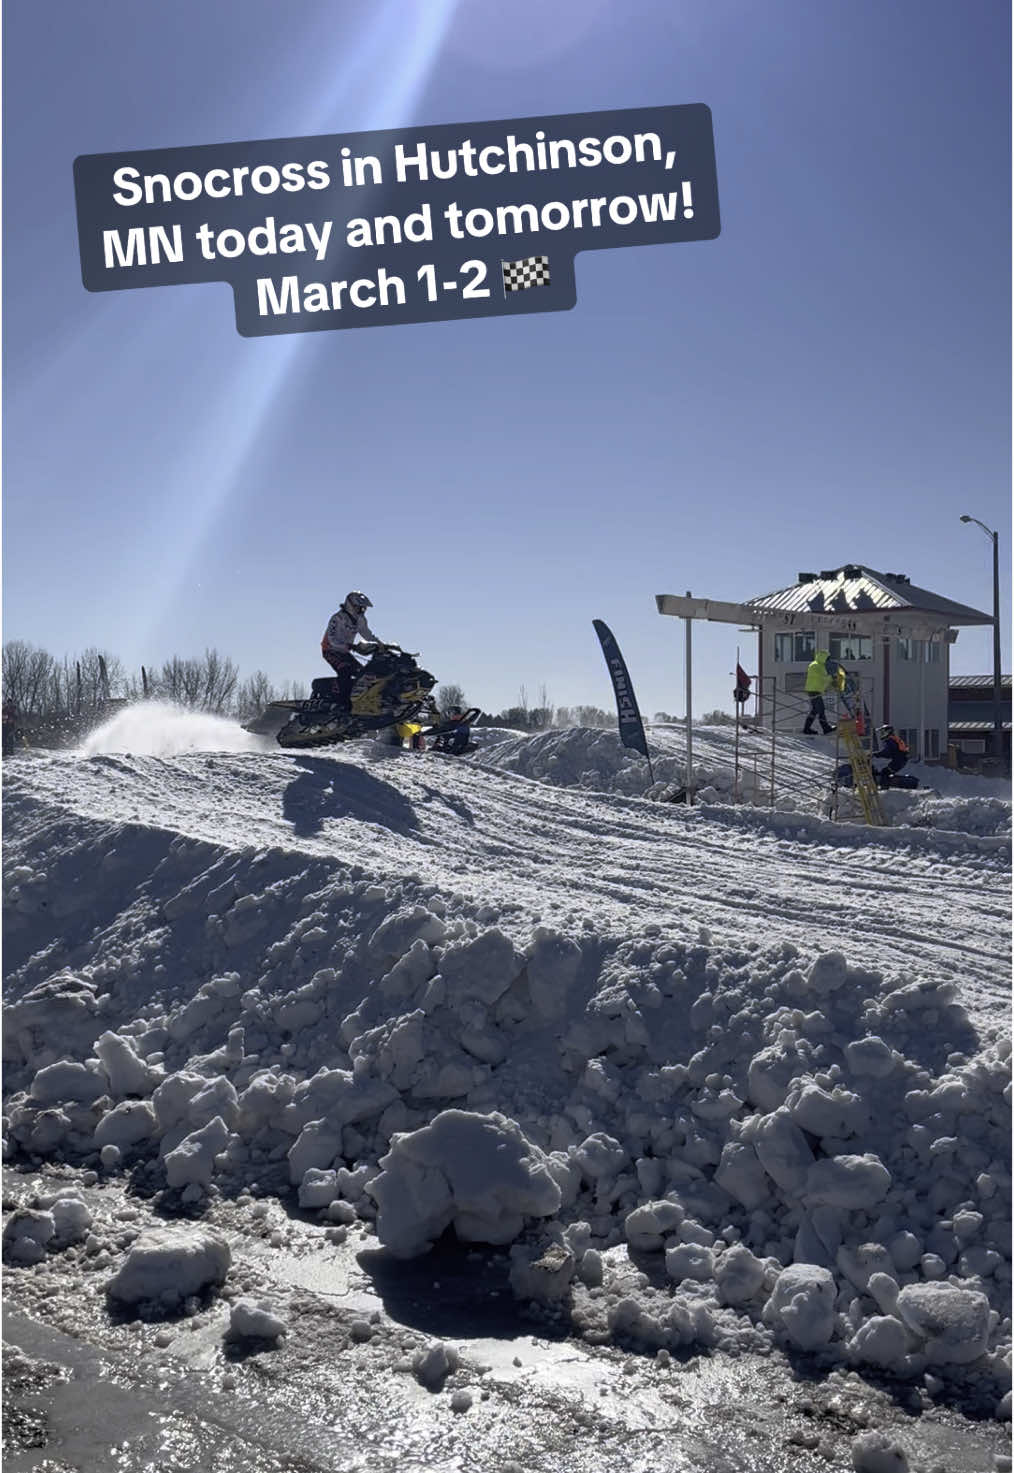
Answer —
780 713
862 772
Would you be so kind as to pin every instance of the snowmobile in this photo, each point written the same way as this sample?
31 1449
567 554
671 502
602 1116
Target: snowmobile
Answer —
437 736
883 777
389 690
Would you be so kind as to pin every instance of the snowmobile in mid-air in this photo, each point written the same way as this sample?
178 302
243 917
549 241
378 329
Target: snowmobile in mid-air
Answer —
389 690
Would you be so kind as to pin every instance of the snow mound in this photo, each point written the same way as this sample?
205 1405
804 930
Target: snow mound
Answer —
597 761
682 1134
964 815
159 729
575 757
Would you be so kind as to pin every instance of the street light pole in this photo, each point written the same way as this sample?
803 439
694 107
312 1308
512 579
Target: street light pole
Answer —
997 674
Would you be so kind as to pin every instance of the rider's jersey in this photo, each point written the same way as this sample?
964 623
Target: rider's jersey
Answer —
343 629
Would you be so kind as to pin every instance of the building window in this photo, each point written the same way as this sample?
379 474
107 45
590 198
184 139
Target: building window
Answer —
932 652
910 736
974 746
795 680
931 745
796 647
851 646
910 649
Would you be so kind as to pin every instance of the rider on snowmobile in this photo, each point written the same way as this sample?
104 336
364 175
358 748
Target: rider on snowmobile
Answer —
343 629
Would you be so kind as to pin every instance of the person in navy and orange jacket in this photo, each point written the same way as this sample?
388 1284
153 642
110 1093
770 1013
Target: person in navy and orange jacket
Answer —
895 749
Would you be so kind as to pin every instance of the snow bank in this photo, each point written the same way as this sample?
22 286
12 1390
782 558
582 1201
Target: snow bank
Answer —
726 1141
596 760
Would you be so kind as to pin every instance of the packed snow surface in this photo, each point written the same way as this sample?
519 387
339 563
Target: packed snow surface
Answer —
725 1076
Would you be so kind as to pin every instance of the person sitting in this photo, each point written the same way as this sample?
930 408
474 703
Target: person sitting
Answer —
343 629
455 739
821 674
895 749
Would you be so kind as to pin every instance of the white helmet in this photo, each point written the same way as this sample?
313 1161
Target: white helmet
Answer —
358 601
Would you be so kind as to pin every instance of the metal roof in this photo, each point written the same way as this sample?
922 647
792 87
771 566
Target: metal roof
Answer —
978 682
854 589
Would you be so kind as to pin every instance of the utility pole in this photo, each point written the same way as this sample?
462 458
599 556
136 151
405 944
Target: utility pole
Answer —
997 672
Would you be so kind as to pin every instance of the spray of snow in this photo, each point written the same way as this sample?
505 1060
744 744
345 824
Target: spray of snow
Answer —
159 729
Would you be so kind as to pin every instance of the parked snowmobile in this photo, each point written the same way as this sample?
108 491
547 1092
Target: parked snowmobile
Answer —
884 778
444 736
389 690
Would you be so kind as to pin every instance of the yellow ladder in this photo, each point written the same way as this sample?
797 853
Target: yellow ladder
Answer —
862 773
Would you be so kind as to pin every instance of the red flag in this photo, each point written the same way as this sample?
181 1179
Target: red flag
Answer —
742 691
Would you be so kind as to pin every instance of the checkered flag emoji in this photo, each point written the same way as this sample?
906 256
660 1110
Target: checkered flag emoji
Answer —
519 275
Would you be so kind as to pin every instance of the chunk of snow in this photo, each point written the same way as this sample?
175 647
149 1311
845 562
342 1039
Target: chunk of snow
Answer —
802 1301
67 1080
250 1319
478 1172
318 1188
71 1219
853 1182
646 1227
882 1340
433 1363
689 1261
193 1160
600 1157
542 1272
739 1275
168 1265
26 1234
953 1322
126 1072
828 973
870 1056
126 1125
875 1452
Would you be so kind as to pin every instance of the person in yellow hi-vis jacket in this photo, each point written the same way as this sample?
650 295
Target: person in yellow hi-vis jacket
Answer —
821 674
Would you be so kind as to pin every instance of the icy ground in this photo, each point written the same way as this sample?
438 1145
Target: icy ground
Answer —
723 1086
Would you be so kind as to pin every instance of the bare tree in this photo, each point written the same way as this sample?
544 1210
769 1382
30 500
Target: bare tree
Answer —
592 716
253 695
28 675
541 716
220 677
207 684
449 695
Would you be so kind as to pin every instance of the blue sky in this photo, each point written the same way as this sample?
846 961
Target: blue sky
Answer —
827 382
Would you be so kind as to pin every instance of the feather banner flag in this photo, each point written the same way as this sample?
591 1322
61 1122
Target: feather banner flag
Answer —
628 716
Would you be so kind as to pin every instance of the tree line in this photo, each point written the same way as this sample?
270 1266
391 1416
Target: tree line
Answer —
44 689
78 689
